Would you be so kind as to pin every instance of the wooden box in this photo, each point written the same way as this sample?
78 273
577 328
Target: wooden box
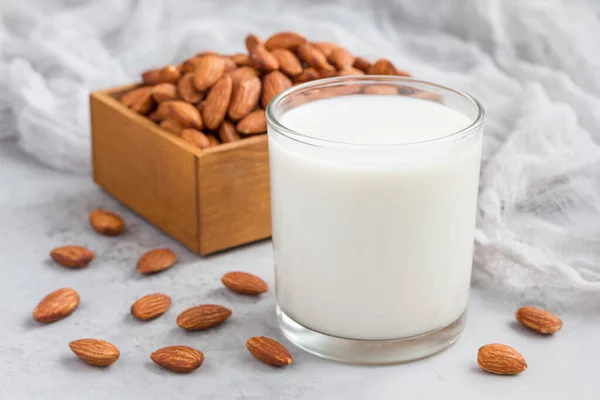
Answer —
209 200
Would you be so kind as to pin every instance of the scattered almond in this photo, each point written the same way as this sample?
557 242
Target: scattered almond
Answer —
151 306
361 63
253 123
186 114
180 359
227 132
162 111
309 74
252 41
501 359
325 47
242 72
169 74
151 77
538 320
56 306
195 138
139 100
96 352
244 283
313 56
244 97
164 92
383 66
187 90
241 59
72 256
288 62
263 60
284 40
202 317
171 125
217 102
341 58
269 351
273 83
106 222
156 260
209 70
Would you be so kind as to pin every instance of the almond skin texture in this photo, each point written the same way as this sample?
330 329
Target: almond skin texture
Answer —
309 74
361 63
341 58
325 47
106 222
72 256
139 100
273 83
538 320
187 90
181 359
288 62
244 97
313 56
500 359
151 77
383 66
242 72
186 114
162 112
164 92
253 123
244 283
263 60
95 352
202 317
227 132
284 40
151 306
56 306
171 125
217 103
269 351
156 260
169 74
209 70
230 65
196 138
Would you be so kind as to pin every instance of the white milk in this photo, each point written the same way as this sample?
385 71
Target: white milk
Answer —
374 244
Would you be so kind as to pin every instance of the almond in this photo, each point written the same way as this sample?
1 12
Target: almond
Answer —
164 92
361 63
139 100
213 141
263 60
325 47
230 65
227 132
244 97
171 125
538 320
151 306
180 359
187 90
195 138
186 114
252 41
273 83
383 66
203 317
169 74
189 65
309 74
209 70
288 62
400 72
156 260
253 123
501 359
95 352
56 306
151 77
106 222
341 58
244 283
269 351
72 256
243 72
217 103
381 89
241 59
162 112
284 40
351 72
327 73
313 56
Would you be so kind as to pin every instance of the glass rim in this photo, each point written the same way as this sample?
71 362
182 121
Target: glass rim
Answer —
369 79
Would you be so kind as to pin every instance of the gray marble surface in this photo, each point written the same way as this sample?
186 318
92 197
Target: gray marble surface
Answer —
41 209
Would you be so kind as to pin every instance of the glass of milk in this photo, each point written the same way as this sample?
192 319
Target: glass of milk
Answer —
373 193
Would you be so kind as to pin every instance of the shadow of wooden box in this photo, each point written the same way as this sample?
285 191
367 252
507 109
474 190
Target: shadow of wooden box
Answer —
210 200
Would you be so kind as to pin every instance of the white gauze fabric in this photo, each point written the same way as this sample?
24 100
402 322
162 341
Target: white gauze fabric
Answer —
533 64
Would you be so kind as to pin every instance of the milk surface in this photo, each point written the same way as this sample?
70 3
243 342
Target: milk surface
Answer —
373 242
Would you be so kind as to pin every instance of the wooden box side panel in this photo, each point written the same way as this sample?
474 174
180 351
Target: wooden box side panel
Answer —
140 165
233 195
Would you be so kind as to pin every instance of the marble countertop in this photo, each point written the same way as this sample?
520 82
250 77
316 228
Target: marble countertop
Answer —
41 209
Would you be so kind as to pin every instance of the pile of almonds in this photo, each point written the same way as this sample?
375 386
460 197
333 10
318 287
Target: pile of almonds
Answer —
213 98
495 358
